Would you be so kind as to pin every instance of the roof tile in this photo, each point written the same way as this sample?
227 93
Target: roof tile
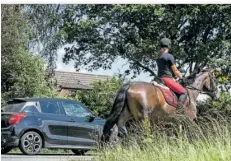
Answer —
77 80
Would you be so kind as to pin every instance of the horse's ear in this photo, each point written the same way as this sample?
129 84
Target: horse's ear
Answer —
199 70
212 70
195 71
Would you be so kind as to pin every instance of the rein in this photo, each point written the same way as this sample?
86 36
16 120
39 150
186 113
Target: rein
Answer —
201 91
197 89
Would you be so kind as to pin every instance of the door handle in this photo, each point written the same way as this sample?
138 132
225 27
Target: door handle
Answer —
71 120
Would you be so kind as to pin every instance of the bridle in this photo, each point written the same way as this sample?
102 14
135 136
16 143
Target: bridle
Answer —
200 90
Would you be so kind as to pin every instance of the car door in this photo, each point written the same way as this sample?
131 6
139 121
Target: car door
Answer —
53 123
81 132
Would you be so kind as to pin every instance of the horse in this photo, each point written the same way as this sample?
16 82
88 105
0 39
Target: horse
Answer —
140 100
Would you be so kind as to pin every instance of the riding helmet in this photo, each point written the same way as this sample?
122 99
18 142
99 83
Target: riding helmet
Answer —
165 42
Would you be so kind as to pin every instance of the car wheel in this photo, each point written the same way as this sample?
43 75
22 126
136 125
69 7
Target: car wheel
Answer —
5 150
79 152
30 143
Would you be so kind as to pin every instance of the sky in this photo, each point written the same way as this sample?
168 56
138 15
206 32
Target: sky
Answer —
118 65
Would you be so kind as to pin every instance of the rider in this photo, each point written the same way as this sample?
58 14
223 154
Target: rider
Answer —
166 68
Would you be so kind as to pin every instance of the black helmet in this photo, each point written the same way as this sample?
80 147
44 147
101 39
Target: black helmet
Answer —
165 42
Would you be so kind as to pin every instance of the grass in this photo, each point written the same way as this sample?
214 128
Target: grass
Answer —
208 140
212 149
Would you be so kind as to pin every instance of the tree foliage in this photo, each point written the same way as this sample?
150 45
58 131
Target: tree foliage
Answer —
45 21
200 35
23 74
99 34
101 98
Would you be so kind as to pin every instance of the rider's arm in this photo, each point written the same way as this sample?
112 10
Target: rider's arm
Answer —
176 71
173 67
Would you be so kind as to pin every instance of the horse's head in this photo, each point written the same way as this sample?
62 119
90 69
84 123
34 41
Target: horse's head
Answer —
207 82
210 84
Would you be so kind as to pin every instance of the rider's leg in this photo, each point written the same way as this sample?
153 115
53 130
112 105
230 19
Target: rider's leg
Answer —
182 99
177 88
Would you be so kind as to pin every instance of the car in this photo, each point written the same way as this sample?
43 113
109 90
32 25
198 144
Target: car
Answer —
35 123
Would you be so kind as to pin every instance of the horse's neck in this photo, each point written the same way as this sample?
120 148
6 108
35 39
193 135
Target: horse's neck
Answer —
193 94
198 85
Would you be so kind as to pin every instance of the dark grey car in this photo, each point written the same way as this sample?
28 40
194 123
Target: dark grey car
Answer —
35 123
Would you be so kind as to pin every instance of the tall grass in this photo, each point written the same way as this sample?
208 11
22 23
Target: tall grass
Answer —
207 139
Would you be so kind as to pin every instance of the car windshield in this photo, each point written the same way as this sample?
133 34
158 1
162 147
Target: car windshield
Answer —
74 109
14 107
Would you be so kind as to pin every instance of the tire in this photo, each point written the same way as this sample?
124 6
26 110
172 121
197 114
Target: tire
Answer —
79 152
30 143
5 150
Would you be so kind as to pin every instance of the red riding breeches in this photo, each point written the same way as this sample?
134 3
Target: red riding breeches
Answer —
173 85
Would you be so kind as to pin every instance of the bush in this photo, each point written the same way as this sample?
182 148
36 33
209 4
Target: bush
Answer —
221 107
101 98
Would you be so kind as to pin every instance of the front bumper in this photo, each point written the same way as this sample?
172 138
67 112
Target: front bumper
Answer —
7 139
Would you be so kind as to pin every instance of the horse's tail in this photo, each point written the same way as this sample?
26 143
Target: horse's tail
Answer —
119 102
117 108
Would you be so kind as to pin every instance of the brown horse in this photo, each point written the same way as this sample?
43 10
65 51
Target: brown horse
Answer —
140 100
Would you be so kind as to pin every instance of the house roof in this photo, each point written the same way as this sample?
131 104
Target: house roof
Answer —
76 80
74 85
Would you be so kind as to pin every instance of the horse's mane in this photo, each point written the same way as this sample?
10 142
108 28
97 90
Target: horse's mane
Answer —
190 79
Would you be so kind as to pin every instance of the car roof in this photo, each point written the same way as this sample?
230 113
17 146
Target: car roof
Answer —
40 99
32 99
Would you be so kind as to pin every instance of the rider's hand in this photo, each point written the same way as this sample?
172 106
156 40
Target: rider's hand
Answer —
181 81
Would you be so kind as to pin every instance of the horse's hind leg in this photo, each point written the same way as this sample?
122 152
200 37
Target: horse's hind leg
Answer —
140 110
107 129
114 134
117 127
123 118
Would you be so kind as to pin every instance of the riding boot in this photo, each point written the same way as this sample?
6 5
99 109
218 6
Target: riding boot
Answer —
182 99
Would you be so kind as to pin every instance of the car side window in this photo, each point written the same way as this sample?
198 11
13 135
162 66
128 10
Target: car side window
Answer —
50 107
74 109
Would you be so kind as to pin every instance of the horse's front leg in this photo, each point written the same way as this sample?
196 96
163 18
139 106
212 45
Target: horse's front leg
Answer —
191 112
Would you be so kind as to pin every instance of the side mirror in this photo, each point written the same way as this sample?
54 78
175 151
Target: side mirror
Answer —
90 118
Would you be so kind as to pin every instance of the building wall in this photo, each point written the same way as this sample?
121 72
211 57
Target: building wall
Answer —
64 92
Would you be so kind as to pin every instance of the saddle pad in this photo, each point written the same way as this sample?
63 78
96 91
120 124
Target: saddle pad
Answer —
169 96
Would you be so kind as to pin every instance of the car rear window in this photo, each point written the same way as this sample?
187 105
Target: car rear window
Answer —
30 108
13 107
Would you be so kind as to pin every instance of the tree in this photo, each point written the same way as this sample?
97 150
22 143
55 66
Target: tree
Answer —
45 21
23 74
101 33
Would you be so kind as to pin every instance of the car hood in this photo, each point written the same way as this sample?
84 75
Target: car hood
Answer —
99 121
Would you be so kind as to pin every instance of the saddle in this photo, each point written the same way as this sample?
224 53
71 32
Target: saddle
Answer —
170 96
